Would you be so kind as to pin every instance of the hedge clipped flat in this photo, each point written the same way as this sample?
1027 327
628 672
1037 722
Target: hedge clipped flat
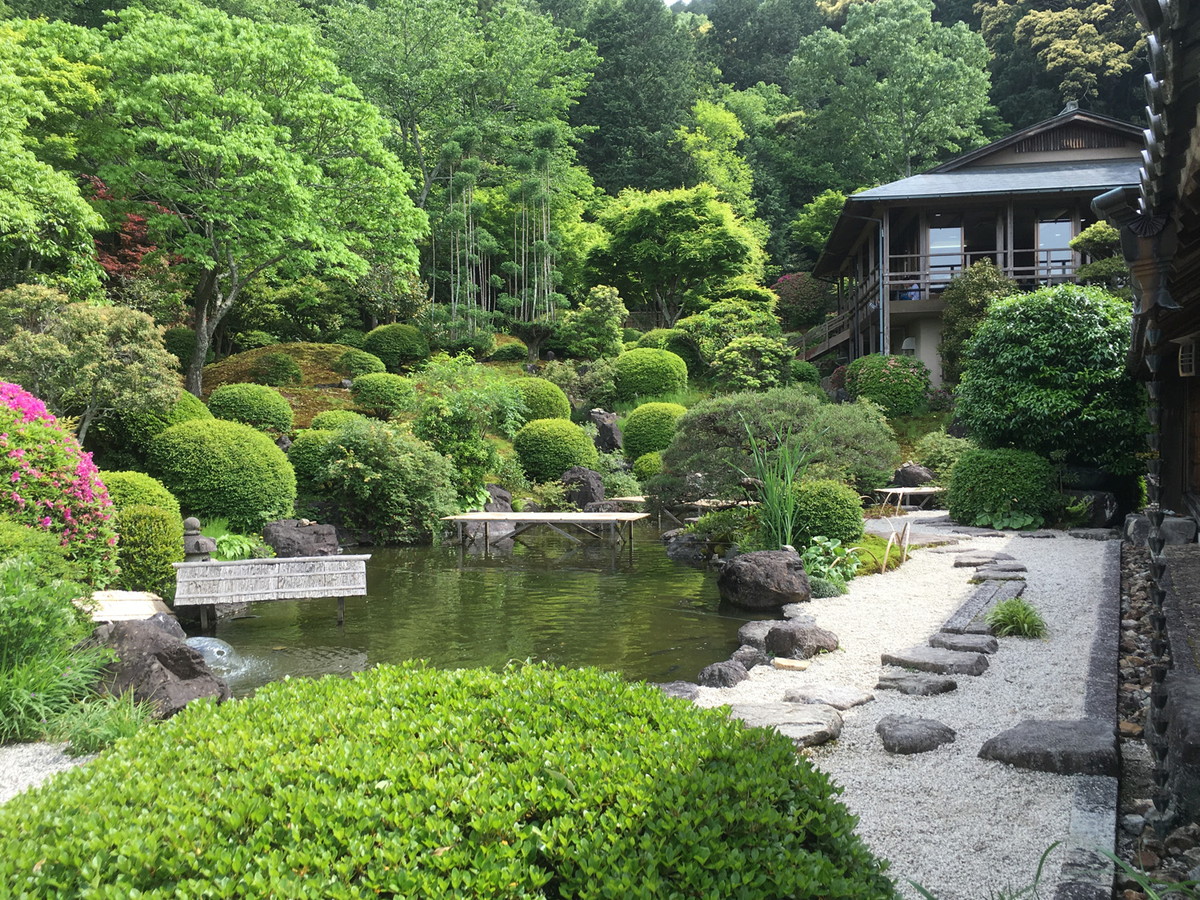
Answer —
409 782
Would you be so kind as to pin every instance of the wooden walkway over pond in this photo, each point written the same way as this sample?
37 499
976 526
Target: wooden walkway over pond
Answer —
617 527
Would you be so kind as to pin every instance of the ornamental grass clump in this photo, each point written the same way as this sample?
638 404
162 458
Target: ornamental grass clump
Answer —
532 783
1016 616
779 464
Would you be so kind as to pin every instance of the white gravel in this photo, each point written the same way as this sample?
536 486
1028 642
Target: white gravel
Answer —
959 826
25 765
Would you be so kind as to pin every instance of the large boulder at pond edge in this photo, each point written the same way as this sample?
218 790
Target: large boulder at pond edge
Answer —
300 537
499 500
764 579
155 663
799 640
584 486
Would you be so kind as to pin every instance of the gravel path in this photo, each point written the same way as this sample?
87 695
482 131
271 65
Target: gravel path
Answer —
25 765
955 824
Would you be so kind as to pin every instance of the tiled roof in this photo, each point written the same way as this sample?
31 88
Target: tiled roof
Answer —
1099 175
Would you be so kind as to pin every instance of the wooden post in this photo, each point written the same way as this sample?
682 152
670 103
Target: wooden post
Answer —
341 610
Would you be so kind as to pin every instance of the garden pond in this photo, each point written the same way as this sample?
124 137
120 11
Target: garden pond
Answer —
630 610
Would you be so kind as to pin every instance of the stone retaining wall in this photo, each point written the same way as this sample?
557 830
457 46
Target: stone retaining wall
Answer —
1174 732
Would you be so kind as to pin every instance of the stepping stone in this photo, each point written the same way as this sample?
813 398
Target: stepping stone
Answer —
934 659
995 573
681 690
1037 534
797 612
909 734
1095 534
839 696
916 683
980 558
799 640
965 643
807 724
723 674
1064 747
987 594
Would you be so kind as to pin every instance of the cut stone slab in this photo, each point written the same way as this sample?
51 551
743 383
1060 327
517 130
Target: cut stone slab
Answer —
975 558
1095 534
808 724
988 593
996 573
918 684
934 659
965 643
790 665
909 734
839 696
1037 534
1064 747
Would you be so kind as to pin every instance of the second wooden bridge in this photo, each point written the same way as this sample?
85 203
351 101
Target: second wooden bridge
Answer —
617 527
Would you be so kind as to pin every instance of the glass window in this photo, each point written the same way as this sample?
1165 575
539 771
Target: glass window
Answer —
945 248
1055 257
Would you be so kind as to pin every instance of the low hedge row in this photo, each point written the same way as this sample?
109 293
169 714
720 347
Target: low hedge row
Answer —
410 782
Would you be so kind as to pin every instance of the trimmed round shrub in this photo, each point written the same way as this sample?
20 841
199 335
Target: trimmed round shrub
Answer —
276 370
514 351
151 539
134 431
1002 488
647 465
398 345
752 362
651 427
383 394
308 455
827 508
530 783
333 419
225 470
181 342
253 339
47 481
655 338
544 399
631 335
137 489
548 447
822 588
649 373
938 452
899 384
354 363
348 337
801 371
257 405
384 483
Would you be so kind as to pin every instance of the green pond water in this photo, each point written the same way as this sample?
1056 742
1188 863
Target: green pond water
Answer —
630 610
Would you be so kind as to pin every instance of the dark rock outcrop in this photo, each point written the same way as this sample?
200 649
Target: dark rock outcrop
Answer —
583 485
764 579
750 656
685 547
300 537
608 434
912 475
799 640
723 674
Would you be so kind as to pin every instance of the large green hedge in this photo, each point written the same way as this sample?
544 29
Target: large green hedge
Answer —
548 447
130 488
151 539
226 470
1002 488
533 783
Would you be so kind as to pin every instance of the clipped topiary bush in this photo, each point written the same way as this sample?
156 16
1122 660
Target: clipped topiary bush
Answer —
544 399
650 427
397 345
938 452
308 455
151 539
1002 489
513 351
655 339
548 447
354 363
752 363
383 395
257 405
226 470
827 508
138 488
276 370
405 781
253 339
649 373
133 432
333 419
647 466
899 384
801 371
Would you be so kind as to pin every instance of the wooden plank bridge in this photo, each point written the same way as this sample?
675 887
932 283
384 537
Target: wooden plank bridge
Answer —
616 526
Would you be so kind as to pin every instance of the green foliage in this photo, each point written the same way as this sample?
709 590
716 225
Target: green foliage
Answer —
224 469
137 488
385 483
616 476
897 383
1016 616
826 509
40 547
180 342
398 345
822 588
646 373
257 405
99 722
814 223
752 363
938 452
593 329
480 391
513 351
548 447
39 689
132 433
453 428
1046 372
333 419
1002 488
736 525
349 337
803 300
382 394
852 443
531 783
967 298
1105 266
630 334
655 338
650 427
38 613
359 362
234 545
588 386
307 454
151 539
828 559
647 465
276 370
253 339
711 331
544 399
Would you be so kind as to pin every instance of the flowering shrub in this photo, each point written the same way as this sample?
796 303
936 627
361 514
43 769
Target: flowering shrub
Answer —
48 481
897 383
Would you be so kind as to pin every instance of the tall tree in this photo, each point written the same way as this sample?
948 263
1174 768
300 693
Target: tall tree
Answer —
260 148
893 92
756 39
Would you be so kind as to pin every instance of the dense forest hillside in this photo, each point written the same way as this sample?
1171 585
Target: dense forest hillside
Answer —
299 166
